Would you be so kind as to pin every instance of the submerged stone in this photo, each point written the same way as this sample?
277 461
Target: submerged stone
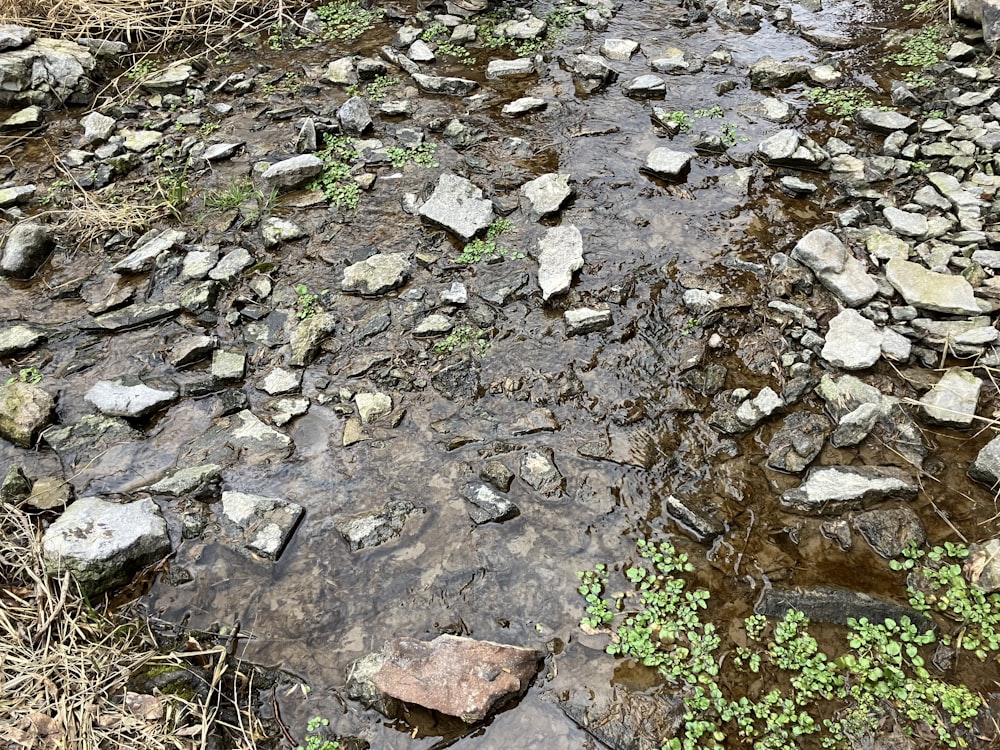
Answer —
372 529
953 399
488 505
260 525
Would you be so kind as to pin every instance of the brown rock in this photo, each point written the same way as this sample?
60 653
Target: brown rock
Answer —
456 676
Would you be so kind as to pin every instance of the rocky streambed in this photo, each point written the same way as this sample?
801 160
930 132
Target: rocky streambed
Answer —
376 334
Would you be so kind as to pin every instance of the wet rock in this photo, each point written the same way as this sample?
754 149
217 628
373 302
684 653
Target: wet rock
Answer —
831 490
953 399
459 206
798 442
645 87
307 337
247 431
768 73
170 80
488 505
377 274
284 410
444 85
890 531
420 52
16 195
275 231
426 674
223 151
102 543
835 606
754 410
456 294
986 467
97 128
194 481
116 399
91 435
591 73
855 426
228 365
697 521
584 320
232 265
281 381
260 525
25 409
668 163
372 406
372 529
149 247
791 148
982 566
28 245
621 50
23 119
16 488
293 172
545 195
835 268
538 471
884 121
672 60
853 342
341 72
929 290
906 223
522 67
497 474
46 72
540 419
19 338
139 141
50 493
560 255
523 106
354 117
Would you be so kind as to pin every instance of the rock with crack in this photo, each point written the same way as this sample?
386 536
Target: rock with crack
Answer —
798 442
257 524
889 531
456 676
307 337
852 342
545 195
459 206
560 254
200 482
375 528
931 291
102 543
831 490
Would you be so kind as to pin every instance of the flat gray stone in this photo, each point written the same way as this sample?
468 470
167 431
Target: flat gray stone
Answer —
19 337
646 86
523 106
584 320
853 342
139 141
835 268
232 265
373 529
931 291
372 406
538 470
621 50
953 399
831 490
377 274
149 247
228 365
906 223
522 67
459 206
545 195
754 410
222 151
668 163
102 544
17 195
488 505
192 481
293 172
307 337
115 399
560 255
281 381
835 606
258 524
884 121
170 80
444 85
274 231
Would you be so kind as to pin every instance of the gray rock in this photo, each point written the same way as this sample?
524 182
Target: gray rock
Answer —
50 493
953 399
46 72
138 141
293 172
377 274
592 72
538 470
17 195
646 86
372 529
986 467
456 294
444 85
228 365
696 520
835 606
133 316
195 481
522 67
249 433
790 148
798 442
497 474
459 206
372 406
24 119
855 426
13 36
307 336
906 223
171 80
523 106
223 151
114 398
672 60
260 525
982 566
16 488
775 110
149 247
584 320
560 254
280 381
621 50
19 338
545 195
274 231
25 409
890 531
101 544
341 72
91 435
232 265
852 342
521 28
435 324
768 73
192 349
408 671
488 505
668 163
754 410
28 245
831 490
420 52
97 128
354 116
884 121
835 268
931 291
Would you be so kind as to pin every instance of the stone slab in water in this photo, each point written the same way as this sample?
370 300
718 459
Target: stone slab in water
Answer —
258 524
116 399
487 505
839 271
102 543
835 606
459 206
668 163
560 255
852 342
25 409
372 529
831 490
953 399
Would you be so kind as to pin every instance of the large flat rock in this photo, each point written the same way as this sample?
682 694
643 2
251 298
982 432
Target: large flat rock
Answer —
459 206
830 490
929 290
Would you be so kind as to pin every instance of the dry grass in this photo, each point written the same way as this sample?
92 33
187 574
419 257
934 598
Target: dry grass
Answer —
159 21
65 668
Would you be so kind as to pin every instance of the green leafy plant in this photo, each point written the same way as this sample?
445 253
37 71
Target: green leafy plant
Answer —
422 155
464 337
347 20
921 50
658 621
335 181
308 303
314 738
26 375
712 113
142 69
439 36
488 247
558 22
843 102
730 135
377 90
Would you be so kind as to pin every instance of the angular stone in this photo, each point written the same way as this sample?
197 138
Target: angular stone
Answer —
510 69
456 294
835 268
884 121
372 529
890 531
830 490
621 50
953 399
488 505
274 231
798 442
754 410
646 86
17 195
341 72
138 141
667 163
435 324
906 223
593 70
97 127
281 381
855 426
459 206
222 151
584 320
232 265
116 399
260 525
48 72
91 435
13 36
444 85
853 342
560 254
195 481
545 195
28 245
523 106
25 409
377 274
307 337
101 544
149 247
538 470
455 676
50 493
170 80
372 406
768 73
354 116
835 606
931 291
986 467
228 365
19 338
293 172
523 28
982 566
697 521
